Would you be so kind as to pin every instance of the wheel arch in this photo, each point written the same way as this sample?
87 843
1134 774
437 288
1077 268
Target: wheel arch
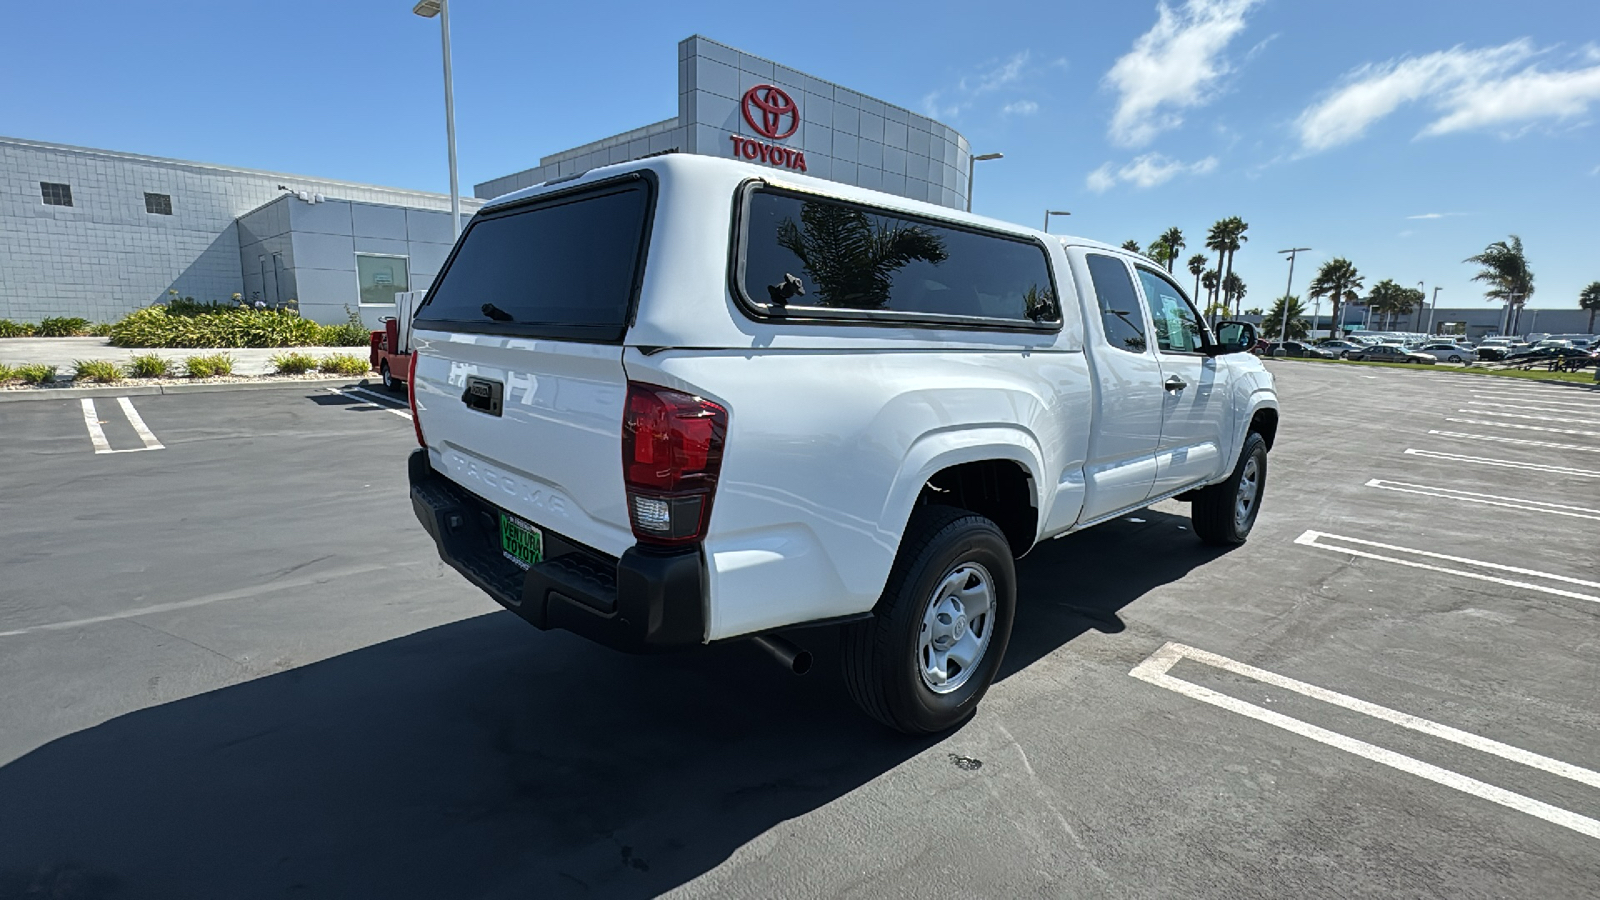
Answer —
994 472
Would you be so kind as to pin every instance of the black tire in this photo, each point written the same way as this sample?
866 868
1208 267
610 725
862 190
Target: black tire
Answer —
390 383
1454 357
883 664
1216 513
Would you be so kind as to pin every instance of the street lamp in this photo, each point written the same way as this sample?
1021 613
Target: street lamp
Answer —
1422 289
441 8
971 162
1047 213
1283 333
1433 308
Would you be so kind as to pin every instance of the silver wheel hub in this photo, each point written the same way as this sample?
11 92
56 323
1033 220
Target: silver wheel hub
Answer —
1249 491
956 627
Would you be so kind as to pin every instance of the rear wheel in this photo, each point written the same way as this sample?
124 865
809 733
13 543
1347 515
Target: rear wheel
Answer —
389 381
932 649
1454 357
1223 514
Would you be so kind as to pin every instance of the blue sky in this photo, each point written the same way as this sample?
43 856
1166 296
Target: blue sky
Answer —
1404 135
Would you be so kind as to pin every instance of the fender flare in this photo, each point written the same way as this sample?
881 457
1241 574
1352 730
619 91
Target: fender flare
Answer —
938 450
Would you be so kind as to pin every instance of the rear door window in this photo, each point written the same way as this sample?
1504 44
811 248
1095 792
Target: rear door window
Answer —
814 256
1120 315
565 267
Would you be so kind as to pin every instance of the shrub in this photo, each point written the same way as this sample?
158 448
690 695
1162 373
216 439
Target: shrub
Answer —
209 366
344 364
187 306
101 370
7 373
352 333
294 363
149 365
9 328
65 326
100 329
38 373
155 326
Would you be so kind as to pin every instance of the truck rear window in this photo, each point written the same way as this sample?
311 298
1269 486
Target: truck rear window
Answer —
563 268
812 256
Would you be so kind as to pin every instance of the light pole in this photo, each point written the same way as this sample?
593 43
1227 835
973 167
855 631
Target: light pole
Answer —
972 162
441 8
1423 289
1433 307
1283 333
1047 213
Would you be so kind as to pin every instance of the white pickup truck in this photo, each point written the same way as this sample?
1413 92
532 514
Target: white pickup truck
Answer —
688 400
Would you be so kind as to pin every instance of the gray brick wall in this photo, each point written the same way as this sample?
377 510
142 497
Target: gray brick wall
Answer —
105 255
846 136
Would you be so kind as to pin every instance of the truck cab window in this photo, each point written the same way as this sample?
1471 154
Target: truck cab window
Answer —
1119 304
1178 326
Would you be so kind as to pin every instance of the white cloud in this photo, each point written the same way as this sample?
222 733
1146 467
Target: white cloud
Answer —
1146 171
1467 89
1020 108
948 104
1436 216
1176 65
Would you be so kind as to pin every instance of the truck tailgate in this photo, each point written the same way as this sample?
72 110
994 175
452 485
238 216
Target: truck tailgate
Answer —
546 448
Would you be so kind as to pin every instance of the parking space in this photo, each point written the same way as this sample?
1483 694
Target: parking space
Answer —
235 666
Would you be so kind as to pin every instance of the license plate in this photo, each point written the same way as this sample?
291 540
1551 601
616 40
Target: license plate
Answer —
520 542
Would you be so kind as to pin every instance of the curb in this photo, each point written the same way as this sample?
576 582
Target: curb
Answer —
145 390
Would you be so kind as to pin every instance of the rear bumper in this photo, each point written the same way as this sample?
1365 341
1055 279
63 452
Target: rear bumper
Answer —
644 602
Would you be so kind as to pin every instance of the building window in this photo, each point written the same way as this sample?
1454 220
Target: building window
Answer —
55 194
159 204
381 277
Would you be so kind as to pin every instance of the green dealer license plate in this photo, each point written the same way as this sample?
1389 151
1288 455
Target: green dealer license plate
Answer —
520 542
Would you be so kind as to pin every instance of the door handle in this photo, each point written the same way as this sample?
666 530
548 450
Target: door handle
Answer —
1174 383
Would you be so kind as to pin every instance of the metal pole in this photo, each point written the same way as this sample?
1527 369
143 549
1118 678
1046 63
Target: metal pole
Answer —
450 120
1433 308
972 164
1283 333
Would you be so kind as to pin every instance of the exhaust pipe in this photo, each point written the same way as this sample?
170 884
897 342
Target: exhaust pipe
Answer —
793 658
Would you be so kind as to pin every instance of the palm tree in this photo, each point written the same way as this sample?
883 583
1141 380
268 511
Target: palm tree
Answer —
1505 270
1392 300
1132 246
1589 298
1225 237
1232 286
1197 267
1159 251
1212 284
1172 239
1297 329
1339 281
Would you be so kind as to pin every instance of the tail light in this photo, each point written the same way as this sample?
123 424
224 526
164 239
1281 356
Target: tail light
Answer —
671 456
411 398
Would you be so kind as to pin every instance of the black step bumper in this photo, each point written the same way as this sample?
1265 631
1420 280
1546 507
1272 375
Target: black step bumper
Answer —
646 601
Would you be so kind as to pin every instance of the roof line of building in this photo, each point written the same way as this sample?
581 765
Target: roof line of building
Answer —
163 160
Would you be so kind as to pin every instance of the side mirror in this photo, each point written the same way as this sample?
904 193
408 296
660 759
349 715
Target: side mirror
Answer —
1233 337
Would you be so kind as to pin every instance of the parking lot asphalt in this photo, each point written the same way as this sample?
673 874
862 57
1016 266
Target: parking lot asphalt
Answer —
233 666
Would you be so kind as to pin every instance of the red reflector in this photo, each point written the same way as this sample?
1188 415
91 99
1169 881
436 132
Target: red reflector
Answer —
671 457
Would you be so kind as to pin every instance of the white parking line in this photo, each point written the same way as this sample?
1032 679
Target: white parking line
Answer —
1506 440
1503 463
351 393
134 419
1554 509
1537 405
97 435
1525 410
1157 671
1524 427
1310 538
1543 399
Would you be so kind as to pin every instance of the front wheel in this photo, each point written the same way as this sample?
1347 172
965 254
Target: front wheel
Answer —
1223 514
940 630
1454 358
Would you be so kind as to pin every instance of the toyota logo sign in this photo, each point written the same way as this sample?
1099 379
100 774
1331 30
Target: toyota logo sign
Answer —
766 107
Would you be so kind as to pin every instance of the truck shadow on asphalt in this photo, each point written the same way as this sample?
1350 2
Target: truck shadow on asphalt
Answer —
482 758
